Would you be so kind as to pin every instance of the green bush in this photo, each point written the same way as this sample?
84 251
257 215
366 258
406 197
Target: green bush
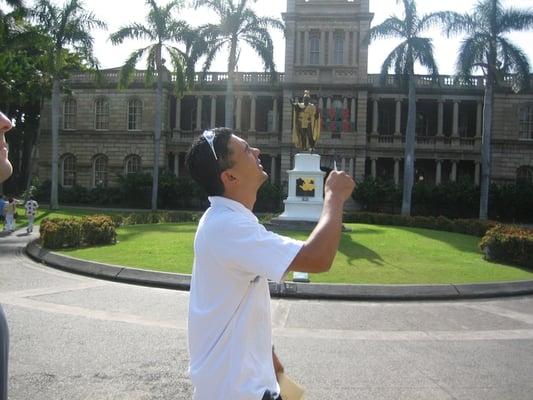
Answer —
509 244
269 198
57 233
98 229
472 227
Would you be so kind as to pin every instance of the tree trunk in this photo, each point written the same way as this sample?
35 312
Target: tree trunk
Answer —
157 131
230 87
33 152
409 156
54 202
486 150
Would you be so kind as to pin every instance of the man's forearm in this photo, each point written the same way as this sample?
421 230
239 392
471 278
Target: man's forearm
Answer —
320 248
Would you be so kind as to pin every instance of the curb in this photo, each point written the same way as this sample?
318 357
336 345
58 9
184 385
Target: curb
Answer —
168 280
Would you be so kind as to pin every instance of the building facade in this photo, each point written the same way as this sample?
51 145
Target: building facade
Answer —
106 132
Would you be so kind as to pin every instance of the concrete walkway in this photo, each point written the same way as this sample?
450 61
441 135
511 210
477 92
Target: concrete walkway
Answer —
78 338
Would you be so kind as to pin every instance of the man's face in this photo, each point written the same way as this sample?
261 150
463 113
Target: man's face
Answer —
5 166
247 166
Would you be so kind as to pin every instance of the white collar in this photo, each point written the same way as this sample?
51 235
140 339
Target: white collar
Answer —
220 201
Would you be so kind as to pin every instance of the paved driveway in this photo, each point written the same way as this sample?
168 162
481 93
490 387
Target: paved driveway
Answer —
80 338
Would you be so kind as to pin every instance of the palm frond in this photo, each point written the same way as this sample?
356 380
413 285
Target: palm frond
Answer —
390 28
396 59
133 31
516 20
515 61
471 55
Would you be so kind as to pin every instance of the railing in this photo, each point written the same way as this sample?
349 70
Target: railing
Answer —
429 81
438 142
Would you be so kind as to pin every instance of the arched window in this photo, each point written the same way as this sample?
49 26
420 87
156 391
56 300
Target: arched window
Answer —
134 114
68 171
524 174
338 51
314 47
69 114
101 114
133 164
100 171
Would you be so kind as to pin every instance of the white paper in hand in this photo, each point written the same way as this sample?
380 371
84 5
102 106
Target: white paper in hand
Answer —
290 390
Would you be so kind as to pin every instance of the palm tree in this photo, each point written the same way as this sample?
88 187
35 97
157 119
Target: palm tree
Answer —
238 23
487 48
402 59
161 29
69 27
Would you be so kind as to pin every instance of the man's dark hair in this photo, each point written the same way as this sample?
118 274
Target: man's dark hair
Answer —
203 166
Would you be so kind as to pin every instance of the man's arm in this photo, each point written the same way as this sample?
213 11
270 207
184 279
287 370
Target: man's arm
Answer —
319 250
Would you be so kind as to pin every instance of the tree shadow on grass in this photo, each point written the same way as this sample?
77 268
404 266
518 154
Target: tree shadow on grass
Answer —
459 241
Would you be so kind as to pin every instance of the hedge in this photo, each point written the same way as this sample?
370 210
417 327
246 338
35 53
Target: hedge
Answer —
474 227
509 243
57 233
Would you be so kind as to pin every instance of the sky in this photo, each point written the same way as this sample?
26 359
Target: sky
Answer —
118 13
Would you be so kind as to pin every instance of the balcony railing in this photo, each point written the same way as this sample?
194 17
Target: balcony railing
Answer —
426 142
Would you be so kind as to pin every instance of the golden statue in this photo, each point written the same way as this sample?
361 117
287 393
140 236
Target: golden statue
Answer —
305 123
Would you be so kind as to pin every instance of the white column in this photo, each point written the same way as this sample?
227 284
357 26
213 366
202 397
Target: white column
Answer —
352 112
238 116
323 60
331 47
396 171
479 119
213 111
373 169
275 114
297 47
328 102
273 169
343 164
320 104
306 48
375 117
198 113
453 173
440 119
352 171
398 126
438 173
346 49
455 131
252 113
178 114
476 173
345 103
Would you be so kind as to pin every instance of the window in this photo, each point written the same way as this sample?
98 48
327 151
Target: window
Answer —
134 115
314 47
526 122
68 171
100 171
69 114
524 174
101 114
133 164
338 54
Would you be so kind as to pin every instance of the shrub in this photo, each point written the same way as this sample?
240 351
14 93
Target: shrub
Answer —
509 243
269 198
472 227
98 229
57 233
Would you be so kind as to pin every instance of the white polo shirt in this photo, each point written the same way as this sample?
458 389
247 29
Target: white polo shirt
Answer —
230 333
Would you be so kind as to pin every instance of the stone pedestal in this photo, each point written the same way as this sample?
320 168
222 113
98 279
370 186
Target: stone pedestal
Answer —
306 190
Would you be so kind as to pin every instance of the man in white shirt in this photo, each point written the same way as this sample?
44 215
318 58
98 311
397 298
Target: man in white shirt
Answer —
230 335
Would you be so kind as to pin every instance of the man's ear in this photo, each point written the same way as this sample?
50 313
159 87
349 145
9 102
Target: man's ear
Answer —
228 178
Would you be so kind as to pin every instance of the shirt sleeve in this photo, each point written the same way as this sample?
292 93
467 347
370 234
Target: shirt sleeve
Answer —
254 250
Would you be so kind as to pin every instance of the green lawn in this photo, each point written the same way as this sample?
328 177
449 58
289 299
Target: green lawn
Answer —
368 254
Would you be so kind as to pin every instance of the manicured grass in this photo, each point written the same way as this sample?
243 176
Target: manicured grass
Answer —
369 254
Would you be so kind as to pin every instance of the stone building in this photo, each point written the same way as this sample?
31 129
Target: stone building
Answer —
106 131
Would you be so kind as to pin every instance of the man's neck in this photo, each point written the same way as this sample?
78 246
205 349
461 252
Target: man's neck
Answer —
247 201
